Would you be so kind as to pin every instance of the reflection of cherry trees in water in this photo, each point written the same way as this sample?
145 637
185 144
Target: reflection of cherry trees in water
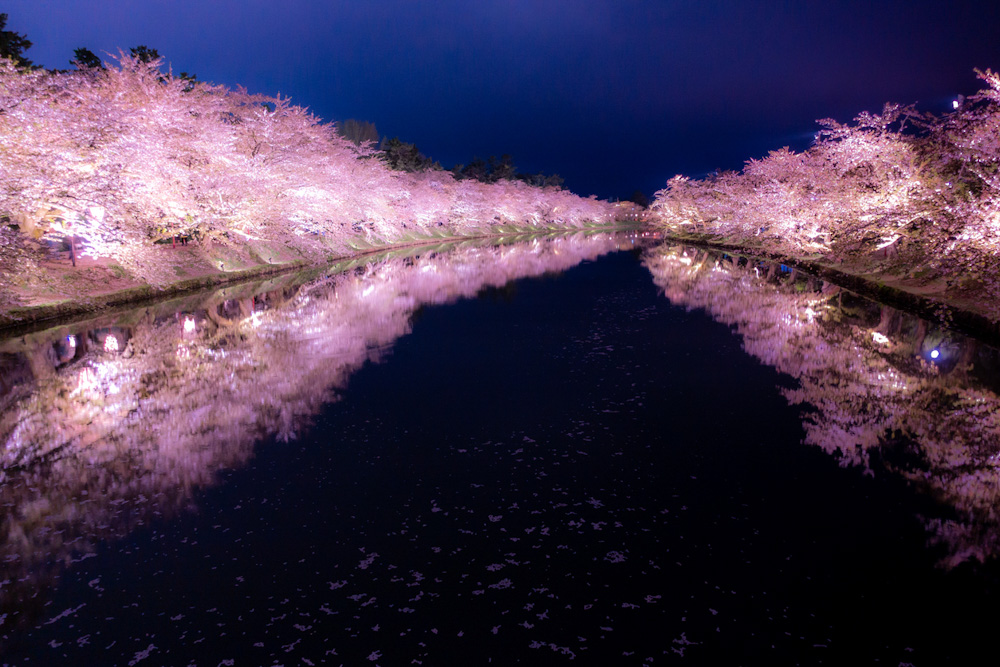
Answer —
878 386
98 437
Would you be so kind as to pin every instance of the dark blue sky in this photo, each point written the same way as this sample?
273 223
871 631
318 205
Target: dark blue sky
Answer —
613 95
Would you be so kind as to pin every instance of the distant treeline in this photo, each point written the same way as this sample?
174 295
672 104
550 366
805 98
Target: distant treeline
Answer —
13 45
403 156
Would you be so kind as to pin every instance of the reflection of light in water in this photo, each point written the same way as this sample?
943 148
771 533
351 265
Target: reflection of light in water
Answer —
935 354
188 324
111 344
86 383
99 380
881 339
71 340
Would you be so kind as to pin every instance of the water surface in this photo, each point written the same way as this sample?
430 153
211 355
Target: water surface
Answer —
561 450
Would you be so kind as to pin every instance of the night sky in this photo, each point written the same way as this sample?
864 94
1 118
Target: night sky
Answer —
612 95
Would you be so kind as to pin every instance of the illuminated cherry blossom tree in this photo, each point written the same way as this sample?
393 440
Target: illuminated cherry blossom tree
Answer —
128 155
898 190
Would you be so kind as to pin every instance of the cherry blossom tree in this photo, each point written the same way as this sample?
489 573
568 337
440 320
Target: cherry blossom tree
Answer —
900 190
128 155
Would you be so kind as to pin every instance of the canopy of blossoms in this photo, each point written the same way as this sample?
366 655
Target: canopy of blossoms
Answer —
124 156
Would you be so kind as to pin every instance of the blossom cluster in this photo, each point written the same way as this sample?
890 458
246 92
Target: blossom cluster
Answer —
904 185
124 156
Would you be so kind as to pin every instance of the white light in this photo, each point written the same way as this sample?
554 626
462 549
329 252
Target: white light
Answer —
71 340
954 104
935 354
188 324
86 382
110 344
879 338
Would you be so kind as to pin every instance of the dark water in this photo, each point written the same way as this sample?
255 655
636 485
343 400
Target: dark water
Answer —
420 462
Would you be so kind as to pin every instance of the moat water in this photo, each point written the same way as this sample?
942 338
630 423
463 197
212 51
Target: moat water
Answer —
588 449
